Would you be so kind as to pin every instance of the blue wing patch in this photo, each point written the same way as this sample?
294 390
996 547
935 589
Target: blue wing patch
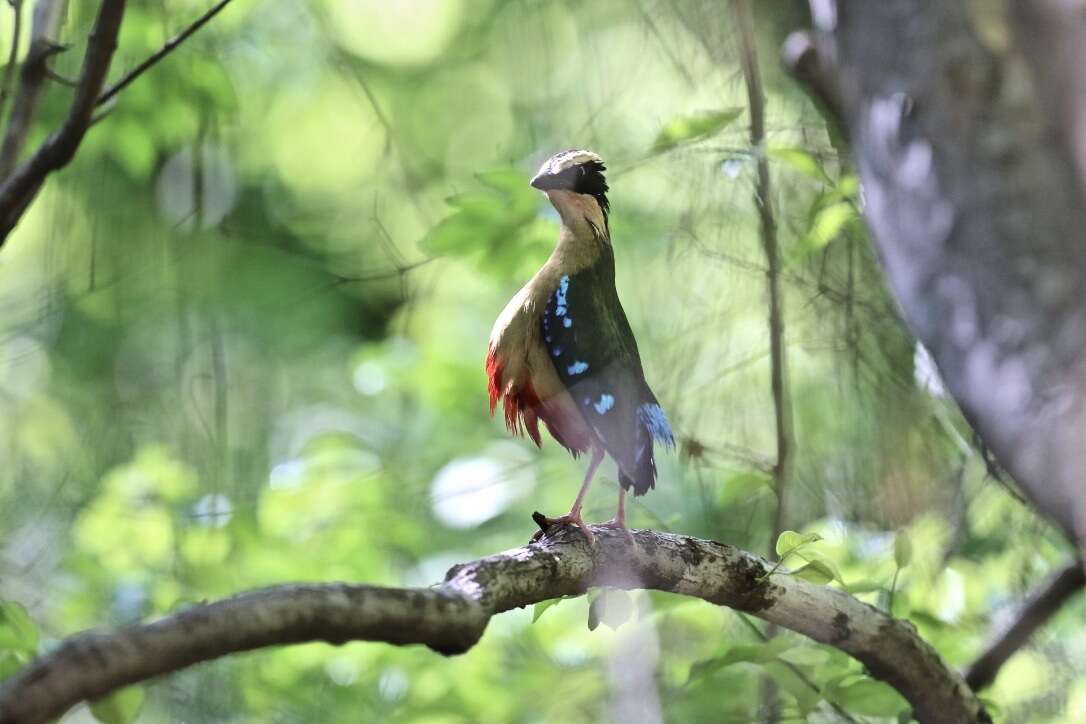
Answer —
655 421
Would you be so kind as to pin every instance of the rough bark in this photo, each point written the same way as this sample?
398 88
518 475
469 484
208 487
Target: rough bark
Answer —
976 208
451 617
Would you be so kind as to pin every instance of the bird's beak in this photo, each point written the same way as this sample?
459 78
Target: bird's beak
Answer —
539 181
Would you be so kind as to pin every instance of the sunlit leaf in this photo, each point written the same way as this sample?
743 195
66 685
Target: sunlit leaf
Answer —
807 697
790 540
903 549
828 224
611 607
812 556
806 656
744 485
868 697
17 630
541 608
692 128
863 587
10 662
120 707
815 572
799 160
760 653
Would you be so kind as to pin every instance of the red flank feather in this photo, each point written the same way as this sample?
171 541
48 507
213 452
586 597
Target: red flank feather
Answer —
523 410
494 377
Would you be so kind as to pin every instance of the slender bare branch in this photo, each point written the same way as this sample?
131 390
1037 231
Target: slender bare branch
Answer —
19 188
32 77
13 57
165 50
1042 605
763 201
450 618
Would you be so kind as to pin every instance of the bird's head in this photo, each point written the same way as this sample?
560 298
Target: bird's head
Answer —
574 182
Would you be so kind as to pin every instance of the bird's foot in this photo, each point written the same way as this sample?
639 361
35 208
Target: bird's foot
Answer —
619 524
570 518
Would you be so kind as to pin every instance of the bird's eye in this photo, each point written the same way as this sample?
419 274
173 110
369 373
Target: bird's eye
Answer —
581 169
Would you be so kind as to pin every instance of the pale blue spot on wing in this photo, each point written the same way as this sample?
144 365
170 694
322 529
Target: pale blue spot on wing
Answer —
560 296
577 368
567 322
605 403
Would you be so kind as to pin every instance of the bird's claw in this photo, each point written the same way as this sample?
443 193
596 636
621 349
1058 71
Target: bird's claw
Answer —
619 524
570 518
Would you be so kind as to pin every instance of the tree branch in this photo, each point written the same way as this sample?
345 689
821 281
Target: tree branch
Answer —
20 187
165 50
451 617
13 56
1043 604
763 201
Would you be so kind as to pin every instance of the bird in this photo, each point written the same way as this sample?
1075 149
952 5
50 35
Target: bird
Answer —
562 351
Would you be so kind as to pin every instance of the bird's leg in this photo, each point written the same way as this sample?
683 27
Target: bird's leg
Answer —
574 514
619 521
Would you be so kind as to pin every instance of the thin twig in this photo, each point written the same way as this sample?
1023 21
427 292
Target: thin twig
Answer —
763 200
62 79
1043 604
165 50
9 71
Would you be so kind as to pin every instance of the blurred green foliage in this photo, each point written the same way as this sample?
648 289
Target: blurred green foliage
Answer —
242 344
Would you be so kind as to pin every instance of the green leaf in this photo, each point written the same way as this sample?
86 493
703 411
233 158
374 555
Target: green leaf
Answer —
120 707
903 550
17 630
863 587
868 697
540 608
790 540
815 572
10 662
760 653
825 563
992 707
828 224
612 607
799 160
693 128
847 187
744 485
806 656
806 697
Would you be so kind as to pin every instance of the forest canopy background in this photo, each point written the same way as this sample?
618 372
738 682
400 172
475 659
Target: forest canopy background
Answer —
242 342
